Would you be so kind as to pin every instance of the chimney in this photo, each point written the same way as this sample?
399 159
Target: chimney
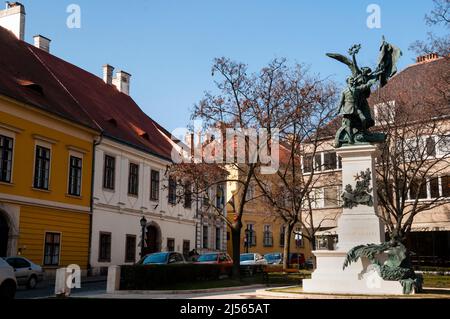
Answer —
42 42
108 73
122 82
427 58
13 19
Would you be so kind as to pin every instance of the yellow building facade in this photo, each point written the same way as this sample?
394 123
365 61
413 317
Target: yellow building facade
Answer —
267 235
45 186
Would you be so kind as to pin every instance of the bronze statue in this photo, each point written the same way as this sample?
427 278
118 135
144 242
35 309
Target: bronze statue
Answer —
353 105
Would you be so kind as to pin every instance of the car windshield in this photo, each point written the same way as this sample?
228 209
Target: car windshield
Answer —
158 258
207 257
246 257
272 256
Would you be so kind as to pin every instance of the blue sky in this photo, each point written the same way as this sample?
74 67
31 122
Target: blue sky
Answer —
168 46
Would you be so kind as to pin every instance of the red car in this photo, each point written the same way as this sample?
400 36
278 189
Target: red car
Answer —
214 258
296 258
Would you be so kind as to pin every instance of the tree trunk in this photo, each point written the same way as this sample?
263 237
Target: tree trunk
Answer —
287 245
236 242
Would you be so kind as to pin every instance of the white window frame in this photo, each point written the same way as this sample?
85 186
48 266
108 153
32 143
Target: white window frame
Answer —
81 156
10 133
47 144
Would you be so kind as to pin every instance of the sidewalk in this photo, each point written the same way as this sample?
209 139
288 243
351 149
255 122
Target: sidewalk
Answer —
90 279
256 292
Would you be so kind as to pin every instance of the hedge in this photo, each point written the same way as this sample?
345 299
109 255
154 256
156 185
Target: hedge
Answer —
148 277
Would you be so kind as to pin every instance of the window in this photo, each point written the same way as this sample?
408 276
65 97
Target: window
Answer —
431 146
172 191
187 195
109 172
316 197
228 235
251 234
250 192
268 238
330 161
445 184
133 179
52 248
104 253
218 234
307 164
75 176
318 162
417 190
331 196
282 234
130 248
18 263
298 237
154 185
186 247
6 152
205 237
42 168
443 145
384 112
434 187
205 202
220 197
170 244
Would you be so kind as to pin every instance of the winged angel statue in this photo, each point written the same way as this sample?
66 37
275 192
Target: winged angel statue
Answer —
353 105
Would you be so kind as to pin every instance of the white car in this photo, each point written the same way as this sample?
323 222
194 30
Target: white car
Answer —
27 273
252 259
8 283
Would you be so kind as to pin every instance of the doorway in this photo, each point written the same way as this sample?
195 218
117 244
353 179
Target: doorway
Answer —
153 239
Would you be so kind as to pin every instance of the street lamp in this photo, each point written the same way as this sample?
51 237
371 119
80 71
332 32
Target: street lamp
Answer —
143 222
247 239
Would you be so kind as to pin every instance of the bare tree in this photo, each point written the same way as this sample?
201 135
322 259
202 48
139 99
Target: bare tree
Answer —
439 16
304 123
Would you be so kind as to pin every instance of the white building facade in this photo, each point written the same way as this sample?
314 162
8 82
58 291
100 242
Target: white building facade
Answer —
130 184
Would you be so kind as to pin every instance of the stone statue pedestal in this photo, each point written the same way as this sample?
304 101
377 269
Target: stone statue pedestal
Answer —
357 226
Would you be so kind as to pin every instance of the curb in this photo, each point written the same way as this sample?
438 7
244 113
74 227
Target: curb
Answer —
180 292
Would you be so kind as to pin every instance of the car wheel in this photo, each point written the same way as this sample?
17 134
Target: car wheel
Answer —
8 290
32 282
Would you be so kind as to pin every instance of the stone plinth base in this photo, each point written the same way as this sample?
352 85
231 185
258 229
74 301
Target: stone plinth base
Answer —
358 278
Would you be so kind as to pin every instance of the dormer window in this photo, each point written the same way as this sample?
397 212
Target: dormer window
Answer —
32 86
112 121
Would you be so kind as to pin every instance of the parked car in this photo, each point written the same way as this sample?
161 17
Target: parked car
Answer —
252 259
27 273
274 258
8 283
309 264
296 259
162 258
214 258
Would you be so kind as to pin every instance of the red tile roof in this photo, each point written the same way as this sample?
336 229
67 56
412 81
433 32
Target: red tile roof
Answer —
74 93
25 79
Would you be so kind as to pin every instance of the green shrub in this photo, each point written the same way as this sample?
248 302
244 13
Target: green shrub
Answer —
151 277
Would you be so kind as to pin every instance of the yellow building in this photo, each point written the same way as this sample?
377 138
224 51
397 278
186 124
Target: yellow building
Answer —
267 234
46 143
266 229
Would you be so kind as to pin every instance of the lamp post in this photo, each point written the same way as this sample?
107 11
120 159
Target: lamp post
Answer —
143 222
247 239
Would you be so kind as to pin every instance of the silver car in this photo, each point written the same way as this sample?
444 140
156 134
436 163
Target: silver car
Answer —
252 259
27 273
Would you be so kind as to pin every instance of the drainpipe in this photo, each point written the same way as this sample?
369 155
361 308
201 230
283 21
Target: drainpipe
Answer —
94 145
